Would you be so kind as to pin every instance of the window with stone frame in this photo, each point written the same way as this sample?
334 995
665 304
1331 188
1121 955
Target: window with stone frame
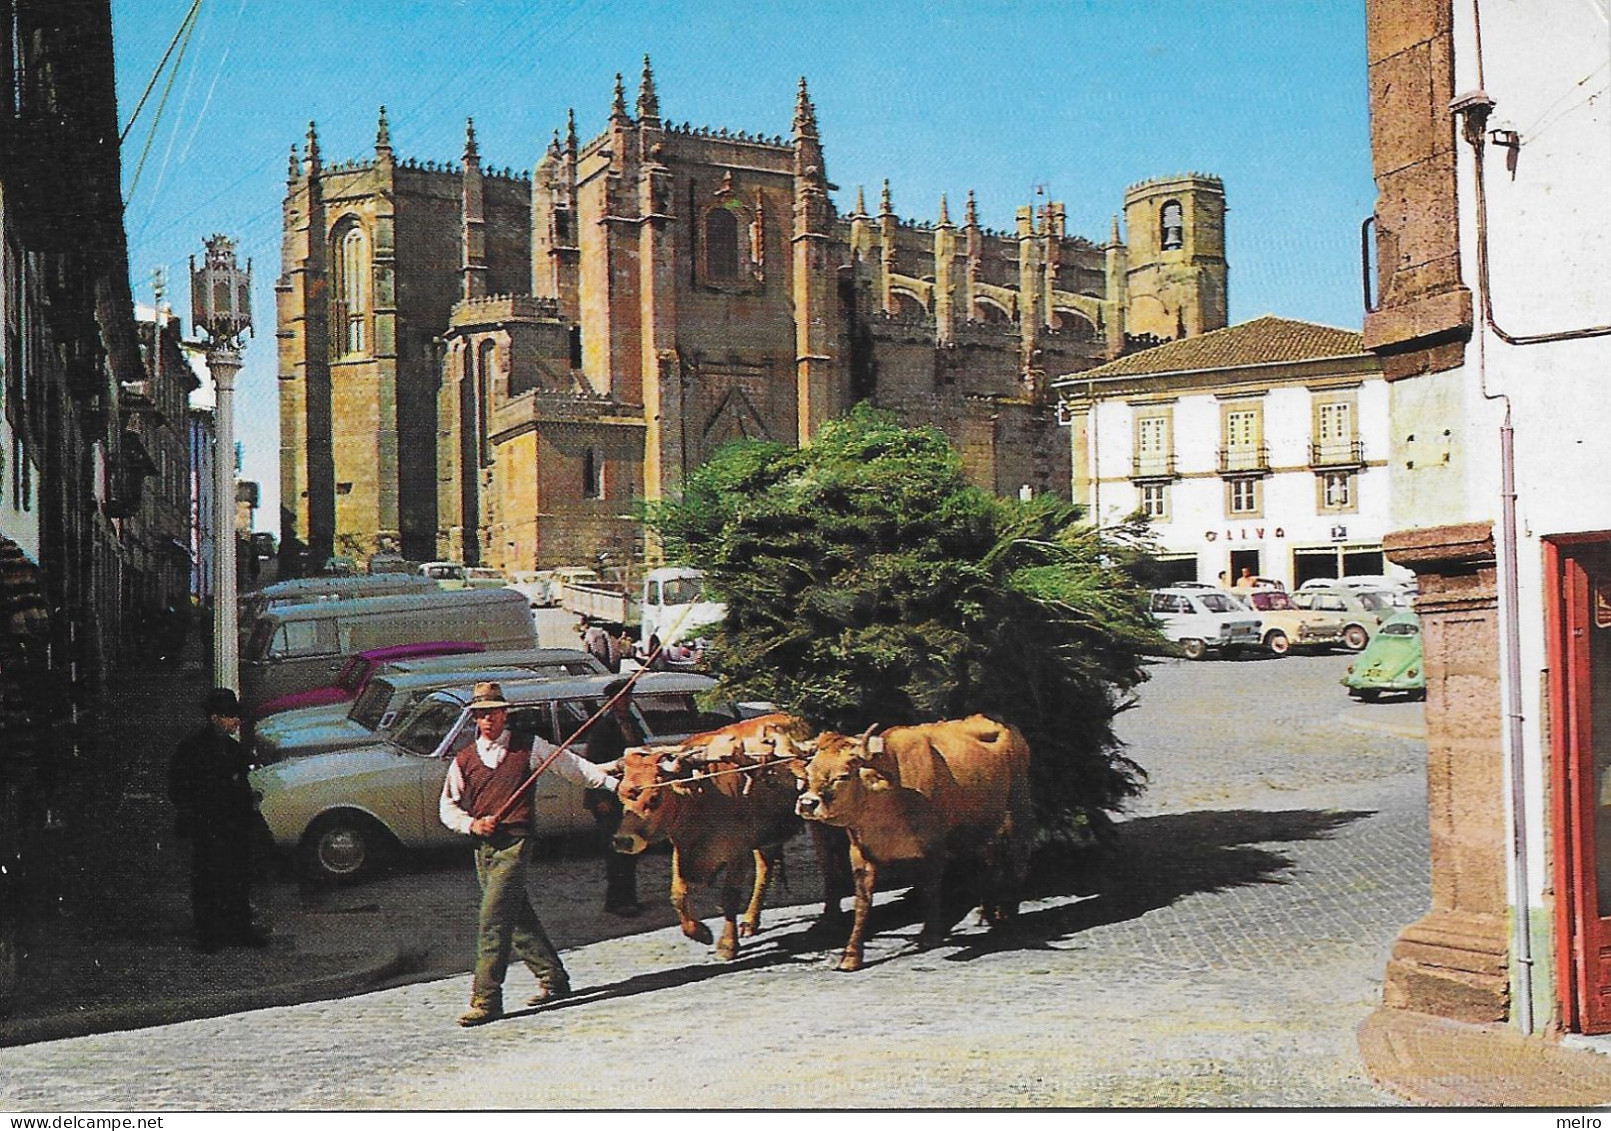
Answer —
1336 491
1154 500
721 246
1244 498
349 306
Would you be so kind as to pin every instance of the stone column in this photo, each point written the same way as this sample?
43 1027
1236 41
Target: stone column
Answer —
1453 962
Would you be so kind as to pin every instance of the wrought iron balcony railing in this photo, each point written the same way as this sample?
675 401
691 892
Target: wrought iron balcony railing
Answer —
1244 461
1337 453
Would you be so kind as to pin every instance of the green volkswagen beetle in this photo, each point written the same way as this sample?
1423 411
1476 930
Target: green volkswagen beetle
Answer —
1391 661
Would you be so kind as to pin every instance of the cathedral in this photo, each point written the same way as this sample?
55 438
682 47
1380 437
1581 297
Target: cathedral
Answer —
495 366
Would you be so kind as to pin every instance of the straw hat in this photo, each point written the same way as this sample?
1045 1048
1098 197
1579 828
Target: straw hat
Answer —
487 696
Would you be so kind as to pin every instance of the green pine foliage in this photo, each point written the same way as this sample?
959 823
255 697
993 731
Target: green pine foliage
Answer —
867 583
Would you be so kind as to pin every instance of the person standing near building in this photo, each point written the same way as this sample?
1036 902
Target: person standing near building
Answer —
607 740
216 811
484 776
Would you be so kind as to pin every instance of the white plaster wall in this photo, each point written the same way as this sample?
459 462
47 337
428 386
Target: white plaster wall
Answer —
1545 65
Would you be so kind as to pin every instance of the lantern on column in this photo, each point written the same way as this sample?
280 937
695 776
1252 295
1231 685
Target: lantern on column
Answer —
221 293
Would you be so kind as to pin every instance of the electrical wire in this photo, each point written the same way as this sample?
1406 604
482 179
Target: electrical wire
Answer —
156 119
156 74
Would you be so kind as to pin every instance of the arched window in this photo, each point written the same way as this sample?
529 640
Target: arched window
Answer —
721 246
1172 225
350 312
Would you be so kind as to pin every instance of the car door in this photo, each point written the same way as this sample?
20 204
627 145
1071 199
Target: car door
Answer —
559 809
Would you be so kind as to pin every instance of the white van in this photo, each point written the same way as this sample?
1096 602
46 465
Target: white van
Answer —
675 604
296 647
1204 620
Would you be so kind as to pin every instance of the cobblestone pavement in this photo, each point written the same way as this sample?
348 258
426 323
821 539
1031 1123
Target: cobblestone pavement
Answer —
1223 956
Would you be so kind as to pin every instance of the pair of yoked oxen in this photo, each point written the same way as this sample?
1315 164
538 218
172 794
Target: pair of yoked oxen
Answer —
916 796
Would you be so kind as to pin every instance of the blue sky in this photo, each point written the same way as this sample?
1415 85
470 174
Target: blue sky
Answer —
1077 99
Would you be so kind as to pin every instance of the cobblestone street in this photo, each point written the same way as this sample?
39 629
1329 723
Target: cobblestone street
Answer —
1224 955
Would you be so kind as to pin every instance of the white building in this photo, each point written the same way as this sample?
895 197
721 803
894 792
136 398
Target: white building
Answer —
1491 144
1260 447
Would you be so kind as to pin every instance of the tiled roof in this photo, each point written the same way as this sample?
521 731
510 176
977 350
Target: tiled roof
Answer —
1263 341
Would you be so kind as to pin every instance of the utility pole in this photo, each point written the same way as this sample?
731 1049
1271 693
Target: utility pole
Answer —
221 306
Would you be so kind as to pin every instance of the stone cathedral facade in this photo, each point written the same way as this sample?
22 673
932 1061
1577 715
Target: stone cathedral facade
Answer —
494 366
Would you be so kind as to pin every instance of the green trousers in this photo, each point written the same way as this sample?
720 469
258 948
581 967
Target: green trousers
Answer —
508 921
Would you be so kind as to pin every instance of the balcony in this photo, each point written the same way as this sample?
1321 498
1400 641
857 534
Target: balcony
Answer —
1337 454
1153 465
1244 461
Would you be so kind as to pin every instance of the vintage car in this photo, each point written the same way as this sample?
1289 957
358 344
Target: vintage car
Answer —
346 811
1361 610
389 695
1200 621
356 673
1392 661
1286 626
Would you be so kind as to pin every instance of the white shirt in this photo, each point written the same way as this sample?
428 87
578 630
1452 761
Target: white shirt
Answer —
492 753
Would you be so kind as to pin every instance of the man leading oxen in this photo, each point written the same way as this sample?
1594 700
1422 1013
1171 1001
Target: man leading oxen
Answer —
726 802
929 795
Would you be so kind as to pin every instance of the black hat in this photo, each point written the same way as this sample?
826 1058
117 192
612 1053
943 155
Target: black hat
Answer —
221 701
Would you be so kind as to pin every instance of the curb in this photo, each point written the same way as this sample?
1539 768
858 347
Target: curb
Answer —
56 1027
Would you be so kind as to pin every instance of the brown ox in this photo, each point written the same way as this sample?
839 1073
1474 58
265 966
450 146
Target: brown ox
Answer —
725 801
927 794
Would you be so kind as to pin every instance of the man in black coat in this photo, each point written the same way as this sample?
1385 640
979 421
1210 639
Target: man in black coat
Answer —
607 740
217 813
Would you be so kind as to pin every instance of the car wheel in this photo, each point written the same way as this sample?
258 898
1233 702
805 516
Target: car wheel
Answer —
1418 695
1193 649
1278 643
1355 638
343 848
1368 694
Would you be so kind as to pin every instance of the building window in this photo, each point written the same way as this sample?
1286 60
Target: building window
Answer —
576 347
1242 439
1155 500
485 357
1337 490
1336 442
592 474
1171 226
350 308
1242 498
721 246
1152 446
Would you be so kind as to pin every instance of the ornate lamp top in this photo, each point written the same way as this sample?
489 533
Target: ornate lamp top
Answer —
221 294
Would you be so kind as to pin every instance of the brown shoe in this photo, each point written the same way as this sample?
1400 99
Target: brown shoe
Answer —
481 1012
546 994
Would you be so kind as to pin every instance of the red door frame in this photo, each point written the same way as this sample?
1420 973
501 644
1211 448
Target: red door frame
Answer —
1573 803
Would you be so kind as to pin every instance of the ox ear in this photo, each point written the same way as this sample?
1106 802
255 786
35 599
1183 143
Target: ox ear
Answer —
873 781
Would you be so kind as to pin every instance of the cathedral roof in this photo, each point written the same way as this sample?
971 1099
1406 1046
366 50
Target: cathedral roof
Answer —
1263 341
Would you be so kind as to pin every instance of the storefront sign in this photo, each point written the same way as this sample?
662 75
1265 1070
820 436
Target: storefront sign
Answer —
1241 534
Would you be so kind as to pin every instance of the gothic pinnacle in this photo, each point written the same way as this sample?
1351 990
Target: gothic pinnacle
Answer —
472 155
294 168
618 101
383 134
971 216
570 130
1114 240
312 150
945 215
884 206
648 104
805 114
861 202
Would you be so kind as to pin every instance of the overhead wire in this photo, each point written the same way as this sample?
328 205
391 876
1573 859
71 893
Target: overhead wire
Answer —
156 74
156 118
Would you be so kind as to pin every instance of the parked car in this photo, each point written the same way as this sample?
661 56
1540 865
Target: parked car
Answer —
346 811
446 575
1360 609
1392 661
1286 626
484 577
390 695
355 675
1204 620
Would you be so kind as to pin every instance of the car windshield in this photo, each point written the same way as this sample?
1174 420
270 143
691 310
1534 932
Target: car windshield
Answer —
1271 601
368 709
1217 602
1401 628
681 590
427 725
1376 602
